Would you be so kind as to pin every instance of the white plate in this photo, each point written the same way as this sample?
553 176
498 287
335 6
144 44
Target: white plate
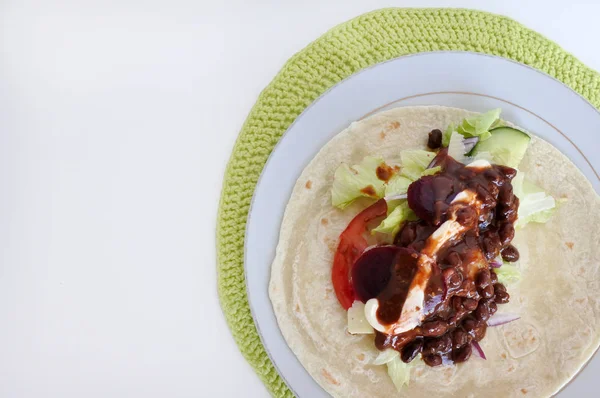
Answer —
472 81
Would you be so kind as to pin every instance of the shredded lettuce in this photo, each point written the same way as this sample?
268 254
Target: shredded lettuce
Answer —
397 185
447 134
476 126
350 183
534 204
456 147
396 217
399 372
508 273
415 162
360 180
431 171
541 217
386 356
357 322
479 126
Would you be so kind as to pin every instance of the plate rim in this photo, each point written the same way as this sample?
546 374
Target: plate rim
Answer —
251 305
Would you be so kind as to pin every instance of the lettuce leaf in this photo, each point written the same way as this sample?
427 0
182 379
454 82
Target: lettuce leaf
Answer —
415 162
397 185
399 372
535 205
386 356
508 273
479 126
360 180
447 134
350 183
357 322
398 214
431 171
475 126
456 147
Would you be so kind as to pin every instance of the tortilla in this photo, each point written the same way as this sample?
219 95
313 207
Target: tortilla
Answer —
558 297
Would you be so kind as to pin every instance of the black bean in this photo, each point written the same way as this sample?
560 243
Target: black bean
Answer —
508 172
429 347
445 343
458 317
469 324
407 235
493 307
439 345
502 297
505 195
454 259
457 303
435 139
474 328
470 304
506 232
467 289
510 214
487 292
492 175
432 360
434 328
411 350
491 244
510 254
453 320
479 331
462 354
493 276
466 216
493 190
483 279
452 277
486 198
471 240
499 287
459 338
482 313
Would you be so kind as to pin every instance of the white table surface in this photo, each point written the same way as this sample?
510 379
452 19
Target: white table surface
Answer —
116 122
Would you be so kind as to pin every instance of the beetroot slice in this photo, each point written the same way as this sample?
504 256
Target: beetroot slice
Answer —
372 271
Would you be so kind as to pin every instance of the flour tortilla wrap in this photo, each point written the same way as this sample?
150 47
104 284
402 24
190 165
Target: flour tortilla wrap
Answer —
558 297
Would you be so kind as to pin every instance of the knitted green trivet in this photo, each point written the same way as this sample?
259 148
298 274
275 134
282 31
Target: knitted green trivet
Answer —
344 50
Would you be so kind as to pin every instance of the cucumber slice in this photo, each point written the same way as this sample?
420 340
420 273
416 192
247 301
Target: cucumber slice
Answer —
507 146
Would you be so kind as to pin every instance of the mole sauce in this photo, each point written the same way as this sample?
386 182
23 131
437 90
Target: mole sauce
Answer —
459 296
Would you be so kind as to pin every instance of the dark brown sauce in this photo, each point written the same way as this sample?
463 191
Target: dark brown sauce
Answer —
462 291
384 172
391 299
369 190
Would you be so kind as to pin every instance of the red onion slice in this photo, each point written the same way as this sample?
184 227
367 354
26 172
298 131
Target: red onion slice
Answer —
470 143
501 318
394 197
478 350
495 264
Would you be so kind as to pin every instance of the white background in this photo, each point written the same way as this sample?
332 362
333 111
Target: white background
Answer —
116 122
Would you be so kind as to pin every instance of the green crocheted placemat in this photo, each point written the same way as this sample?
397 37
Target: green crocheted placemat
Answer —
344 50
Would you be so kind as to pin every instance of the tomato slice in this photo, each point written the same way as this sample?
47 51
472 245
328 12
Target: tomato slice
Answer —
352 244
